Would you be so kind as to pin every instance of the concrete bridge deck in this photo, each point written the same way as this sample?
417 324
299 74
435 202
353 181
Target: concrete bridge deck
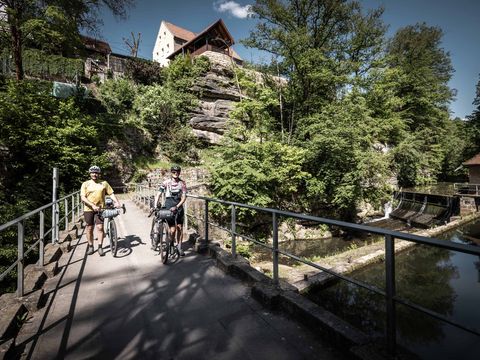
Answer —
133 307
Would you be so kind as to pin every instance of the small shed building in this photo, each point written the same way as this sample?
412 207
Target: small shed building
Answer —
473 166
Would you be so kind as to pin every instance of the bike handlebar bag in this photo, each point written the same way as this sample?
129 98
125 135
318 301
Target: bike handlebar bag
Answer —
110 213
165 214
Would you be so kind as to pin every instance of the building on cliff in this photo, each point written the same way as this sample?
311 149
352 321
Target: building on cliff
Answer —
173 40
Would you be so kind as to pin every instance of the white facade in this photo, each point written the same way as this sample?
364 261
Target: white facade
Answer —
164 45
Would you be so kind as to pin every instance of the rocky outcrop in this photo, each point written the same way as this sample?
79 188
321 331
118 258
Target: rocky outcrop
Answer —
218 93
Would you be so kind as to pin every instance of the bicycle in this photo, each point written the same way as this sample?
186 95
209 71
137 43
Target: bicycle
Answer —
160 235
109 213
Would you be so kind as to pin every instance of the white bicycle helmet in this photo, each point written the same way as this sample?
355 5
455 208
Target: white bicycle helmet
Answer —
94 169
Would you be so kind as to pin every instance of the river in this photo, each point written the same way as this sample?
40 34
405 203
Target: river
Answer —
440 280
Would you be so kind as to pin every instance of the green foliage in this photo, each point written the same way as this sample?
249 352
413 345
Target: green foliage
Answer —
415 50
267 174
118 95
145 72
183 71
318 60
253 116
40 64
53 32
342 158
160 108
40 132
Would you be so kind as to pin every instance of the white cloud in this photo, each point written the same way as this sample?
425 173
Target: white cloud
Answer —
233 8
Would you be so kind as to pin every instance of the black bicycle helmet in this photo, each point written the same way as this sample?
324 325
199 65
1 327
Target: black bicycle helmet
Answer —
176 168
94 169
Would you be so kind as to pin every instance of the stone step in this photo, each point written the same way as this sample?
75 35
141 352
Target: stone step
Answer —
26 337
7 349
35 277
11 313
52 253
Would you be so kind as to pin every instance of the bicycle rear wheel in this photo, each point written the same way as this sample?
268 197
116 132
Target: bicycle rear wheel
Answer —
112 231
164 242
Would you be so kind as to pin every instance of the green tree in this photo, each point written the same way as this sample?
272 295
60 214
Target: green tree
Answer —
32 22
40 132
416 51
118 96
423 87
320 44
145 72
267 174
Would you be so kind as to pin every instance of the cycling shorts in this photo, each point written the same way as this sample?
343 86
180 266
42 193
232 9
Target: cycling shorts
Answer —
92 217
178 218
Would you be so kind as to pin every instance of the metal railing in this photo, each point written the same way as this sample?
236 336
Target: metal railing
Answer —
391 298
467 189
71 212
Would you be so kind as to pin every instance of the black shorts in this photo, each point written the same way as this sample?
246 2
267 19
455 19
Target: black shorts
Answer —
92 217
178 218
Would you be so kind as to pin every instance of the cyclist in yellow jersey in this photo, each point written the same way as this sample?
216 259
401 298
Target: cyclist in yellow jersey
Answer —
93 194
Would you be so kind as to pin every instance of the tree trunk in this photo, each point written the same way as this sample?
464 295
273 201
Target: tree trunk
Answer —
16 38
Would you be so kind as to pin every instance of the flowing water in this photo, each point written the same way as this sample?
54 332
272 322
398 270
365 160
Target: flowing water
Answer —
444 281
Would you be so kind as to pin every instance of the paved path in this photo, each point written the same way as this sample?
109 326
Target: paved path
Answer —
133 307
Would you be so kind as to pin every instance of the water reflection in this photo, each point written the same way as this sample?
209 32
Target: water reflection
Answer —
440 280
314 247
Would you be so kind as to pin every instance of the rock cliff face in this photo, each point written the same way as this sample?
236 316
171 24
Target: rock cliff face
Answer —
218 93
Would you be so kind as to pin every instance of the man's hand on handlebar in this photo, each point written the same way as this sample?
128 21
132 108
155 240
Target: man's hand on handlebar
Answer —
173 209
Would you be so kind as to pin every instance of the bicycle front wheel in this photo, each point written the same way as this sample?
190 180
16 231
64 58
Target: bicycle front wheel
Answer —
112 230
164 242
155 234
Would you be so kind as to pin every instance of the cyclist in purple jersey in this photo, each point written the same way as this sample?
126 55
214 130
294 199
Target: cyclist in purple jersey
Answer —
175 192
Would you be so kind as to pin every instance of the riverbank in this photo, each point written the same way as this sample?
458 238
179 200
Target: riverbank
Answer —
304 277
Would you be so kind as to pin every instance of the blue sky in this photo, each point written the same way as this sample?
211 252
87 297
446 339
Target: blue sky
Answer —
459 20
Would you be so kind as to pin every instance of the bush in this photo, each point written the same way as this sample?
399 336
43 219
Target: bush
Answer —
39 64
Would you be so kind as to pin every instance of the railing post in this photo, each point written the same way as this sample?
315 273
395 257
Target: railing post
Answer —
57 221
206 221
234 242
65 202
21 238
73 210
41 244
275 248
79 204
54 206
185 219
390 294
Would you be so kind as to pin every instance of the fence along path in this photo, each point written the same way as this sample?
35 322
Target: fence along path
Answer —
134 307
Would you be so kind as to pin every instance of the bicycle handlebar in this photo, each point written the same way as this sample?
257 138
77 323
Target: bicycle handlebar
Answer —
121 207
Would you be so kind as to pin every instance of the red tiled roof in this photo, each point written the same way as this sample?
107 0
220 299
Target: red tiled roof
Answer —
473 161
179 32
96 45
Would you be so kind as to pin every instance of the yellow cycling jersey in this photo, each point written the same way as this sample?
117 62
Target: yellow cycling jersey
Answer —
95 192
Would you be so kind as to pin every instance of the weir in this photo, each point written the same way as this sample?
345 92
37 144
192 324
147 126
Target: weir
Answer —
425 210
